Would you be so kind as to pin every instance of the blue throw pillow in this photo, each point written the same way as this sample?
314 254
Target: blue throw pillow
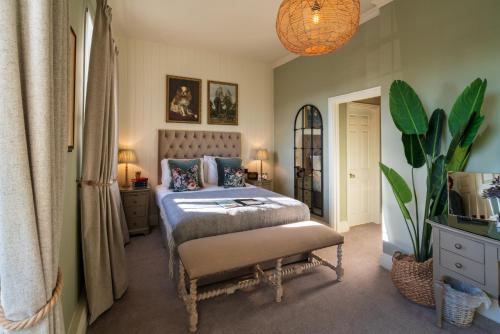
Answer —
184 164
186 180
225 162
234 177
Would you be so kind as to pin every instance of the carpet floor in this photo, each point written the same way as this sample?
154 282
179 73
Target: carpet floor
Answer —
364 302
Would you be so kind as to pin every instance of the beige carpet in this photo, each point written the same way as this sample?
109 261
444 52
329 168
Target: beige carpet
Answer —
365 302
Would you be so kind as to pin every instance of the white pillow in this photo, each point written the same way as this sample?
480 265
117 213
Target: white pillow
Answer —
166 174
210 168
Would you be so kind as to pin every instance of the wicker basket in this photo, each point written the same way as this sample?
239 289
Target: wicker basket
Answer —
457 309
413 279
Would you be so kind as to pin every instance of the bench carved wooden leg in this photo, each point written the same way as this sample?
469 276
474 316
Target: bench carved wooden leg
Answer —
339 270
279 278
192 309
181 285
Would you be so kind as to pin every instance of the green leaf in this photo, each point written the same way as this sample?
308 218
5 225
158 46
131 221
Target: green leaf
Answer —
458 158
471 130
407 110
433 137
413 150
467 104
399 187
437 175
441 201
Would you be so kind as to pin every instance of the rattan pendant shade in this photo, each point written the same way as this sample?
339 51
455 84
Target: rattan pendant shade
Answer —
316 27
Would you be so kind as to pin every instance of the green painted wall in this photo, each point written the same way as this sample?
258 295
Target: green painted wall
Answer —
438 46
70 252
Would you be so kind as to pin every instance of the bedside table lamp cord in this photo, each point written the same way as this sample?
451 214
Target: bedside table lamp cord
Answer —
38 316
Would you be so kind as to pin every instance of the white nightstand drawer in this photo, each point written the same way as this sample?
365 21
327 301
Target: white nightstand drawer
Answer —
135 211
137 223
138 199
462 246
462 266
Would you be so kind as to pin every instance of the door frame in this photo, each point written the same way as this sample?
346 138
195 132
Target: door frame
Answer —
333 150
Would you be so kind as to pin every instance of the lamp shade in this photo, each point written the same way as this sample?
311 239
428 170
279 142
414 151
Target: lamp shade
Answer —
126 156
262 154
316 27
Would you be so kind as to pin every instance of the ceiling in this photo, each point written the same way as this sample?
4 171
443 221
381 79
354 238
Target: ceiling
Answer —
238 27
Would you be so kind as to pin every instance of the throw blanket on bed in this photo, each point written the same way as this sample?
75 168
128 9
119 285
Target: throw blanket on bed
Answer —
194 215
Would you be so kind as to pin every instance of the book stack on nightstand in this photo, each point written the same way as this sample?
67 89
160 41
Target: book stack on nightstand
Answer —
266 184
136 205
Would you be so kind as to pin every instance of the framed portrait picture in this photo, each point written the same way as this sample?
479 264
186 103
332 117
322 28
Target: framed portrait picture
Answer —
183 99
222 103
71 90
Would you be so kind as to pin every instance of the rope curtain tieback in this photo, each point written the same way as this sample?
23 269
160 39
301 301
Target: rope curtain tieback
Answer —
38 316
96 183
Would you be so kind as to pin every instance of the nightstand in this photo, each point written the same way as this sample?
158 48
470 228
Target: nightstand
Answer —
266 184
136 205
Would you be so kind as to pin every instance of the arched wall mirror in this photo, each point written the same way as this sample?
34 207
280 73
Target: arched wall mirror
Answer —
308 158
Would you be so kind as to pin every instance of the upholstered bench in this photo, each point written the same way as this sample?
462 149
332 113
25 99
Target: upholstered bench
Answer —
213 255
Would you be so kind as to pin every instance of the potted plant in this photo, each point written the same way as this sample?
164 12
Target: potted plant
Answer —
421 138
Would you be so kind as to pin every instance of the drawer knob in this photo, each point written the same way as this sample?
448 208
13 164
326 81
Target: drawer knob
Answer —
458 265
458 246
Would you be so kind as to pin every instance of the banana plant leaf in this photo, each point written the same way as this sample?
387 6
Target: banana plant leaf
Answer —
467 104
433 137
438 176
407 110
440 202
399 187
471 130
459 159
415 156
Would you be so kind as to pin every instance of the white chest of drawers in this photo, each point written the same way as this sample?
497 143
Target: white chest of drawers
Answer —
469 253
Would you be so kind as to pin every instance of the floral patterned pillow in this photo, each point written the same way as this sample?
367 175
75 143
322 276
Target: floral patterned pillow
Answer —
186 180
234 177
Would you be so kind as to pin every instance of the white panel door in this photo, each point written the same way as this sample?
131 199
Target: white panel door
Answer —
363 177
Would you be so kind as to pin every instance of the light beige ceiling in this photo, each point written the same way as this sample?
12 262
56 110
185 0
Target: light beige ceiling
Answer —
239 27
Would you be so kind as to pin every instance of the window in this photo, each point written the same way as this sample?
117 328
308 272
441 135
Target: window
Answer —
89 28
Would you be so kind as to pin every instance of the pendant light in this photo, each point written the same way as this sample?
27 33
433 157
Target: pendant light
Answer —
316 27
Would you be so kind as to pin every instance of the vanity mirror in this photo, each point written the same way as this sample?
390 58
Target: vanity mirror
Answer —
474 196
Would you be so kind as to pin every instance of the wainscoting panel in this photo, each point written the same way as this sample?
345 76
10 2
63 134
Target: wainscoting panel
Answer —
143 69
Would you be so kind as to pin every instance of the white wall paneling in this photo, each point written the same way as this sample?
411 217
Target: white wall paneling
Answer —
143 68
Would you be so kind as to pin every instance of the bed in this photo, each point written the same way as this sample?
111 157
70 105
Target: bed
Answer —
191 215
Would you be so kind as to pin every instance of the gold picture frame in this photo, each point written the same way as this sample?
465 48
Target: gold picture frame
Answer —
222 103
183 100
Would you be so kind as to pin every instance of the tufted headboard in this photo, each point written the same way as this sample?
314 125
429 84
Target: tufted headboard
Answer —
188 144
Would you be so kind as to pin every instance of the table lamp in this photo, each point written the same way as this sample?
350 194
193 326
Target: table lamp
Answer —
126 156
262 154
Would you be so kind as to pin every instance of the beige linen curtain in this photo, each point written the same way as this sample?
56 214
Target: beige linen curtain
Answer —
102 236
33 107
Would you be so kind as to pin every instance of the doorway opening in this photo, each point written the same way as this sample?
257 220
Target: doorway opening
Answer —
355 179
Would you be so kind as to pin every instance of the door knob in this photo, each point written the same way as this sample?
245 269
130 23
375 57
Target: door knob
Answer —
352 176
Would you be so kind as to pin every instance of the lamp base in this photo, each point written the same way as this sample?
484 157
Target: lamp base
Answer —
127 183
260 175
